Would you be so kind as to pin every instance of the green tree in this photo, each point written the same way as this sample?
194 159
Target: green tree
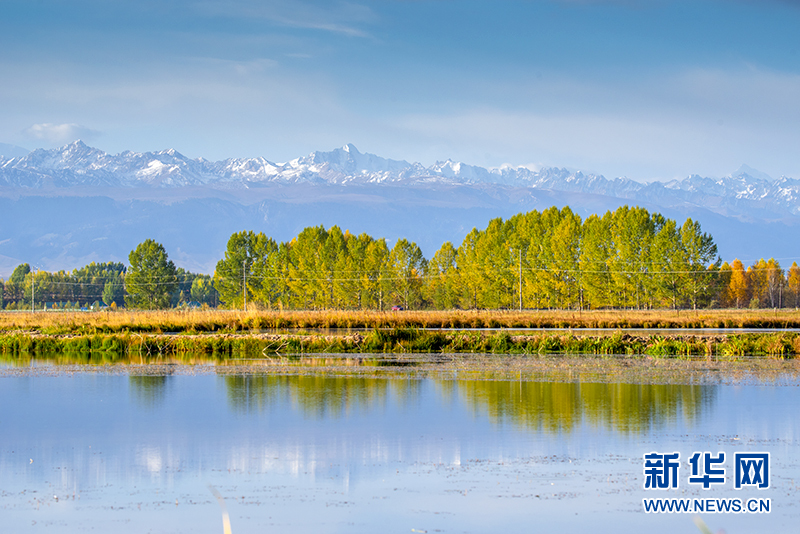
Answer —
440 287
336 268
152 277
377 281
494 263
234 273
114 291
700 254
14 290
632 234
88 284
565 248
360 274
532 236
203 291
470 274
668 265
310 270
594 260
408 268
39 288
722 284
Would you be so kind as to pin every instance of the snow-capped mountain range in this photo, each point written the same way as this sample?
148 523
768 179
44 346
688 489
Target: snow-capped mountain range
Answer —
77 164
65 207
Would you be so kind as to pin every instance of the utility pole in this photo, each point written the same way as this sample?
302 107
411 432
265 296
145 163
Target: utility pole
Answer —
244 283
33 290
520 279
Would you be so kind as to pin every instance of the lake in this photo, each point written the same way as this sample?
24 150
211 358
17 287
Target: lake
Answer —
138 449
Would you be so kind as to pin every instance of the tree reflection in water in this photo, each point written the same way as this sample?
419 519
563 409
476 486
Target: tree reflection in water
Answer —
545 406
318 396
149 391
563 406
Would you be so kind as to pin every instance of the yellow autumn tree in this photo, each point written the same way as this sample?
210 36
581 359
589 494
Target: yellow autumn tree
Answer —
738 286
723 285
774 284
793 285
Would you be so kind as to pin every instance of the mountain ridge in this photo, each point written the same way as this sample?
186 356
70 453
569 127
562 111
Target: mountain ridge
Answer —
744 193
65 207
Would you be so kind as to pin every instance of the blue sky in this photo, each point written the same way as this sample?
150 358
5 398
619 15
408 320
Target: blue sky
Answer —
644 89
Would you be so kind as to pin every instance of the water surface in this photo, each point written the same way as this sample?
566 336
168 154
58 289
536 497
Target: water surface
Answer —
120 452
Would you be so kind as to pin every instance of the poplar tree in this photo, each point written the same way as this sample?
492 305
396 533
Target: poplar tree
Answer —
151 277
793 284
723 285
701 261
203 291
233 274
377 276
408 268
114 291
308 280
565 245
632 232
774 283
441 288
469 273
493 262
594 261
668 263
738 286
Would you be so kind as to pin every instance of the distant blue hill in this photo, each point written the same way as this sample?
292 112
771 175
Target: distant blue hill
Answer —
65 207
12 151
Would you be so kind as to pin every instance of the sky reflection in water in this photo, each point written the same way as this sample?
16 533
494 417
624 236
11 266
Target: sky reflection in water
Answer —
335 454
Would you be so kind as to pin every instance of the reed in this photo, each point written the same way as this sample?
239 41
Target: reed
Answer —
227 321
114 347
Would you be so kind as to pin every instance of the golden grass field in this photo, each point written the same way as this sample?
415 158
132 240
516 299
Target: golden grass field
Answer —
238 321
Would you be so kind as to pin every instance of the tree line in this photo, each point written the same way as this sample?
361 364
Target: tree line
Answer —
151 281
554 259
628 258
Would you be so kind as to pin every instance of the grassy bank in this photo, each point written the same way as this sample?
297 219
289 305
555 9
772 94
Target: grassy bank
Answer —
202 321
109 347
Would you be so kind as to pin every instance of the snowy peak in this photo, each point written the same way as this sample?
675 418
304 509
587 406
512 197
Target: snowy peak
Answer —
72 155
744 192
349 161
746 171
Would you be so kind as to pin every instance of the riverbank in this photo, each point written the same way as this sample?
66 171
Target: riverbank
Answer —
231 321
111 347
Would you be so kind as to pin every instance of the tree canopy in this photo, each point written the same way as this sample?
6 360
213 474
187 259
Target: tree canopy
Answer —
151 278
628 258
552 259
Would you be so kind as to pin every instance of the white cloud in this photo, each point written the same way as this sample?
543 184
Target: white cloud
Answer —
337 17
667 125
60 133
